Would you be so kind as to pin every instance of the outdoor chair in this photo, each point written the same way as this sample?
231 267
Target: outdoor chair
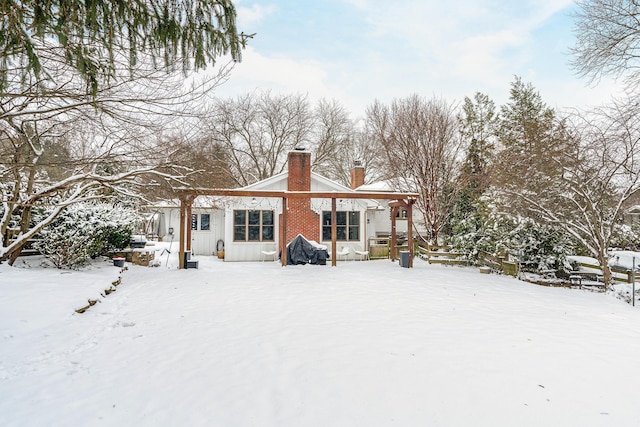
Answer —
361 253
269 254
344 253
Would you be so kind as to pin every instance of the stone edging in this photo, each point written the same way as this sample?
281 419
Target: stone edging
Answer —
107 291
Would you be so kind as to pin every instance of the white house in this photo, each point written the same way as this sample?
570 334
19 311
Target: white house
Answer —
249 226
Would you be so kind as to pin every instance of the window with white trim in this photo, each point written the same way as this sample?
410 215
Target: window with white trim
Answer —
253 226
347 226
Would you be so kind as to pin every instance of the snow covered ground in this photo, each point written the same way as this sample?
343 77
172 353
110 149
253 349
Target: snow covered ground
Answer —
362 344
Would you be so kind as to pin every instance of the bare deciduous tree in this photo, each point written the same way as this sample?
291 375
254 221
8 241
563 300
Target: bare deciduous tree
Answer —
608 40
207 164
258 130
334 137
420 143
63 146
338 144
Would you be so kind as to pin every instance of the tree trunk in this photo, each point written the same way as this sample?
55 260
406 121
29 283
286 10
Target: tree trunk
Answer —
13 255
25 221
606 270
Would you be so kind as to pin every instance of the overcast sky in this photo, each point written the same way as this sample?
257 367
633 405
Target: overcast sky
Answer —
357 51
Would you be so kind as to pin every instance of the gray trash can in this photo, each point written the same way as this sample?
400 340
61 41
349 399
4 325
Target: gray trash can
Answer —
404 258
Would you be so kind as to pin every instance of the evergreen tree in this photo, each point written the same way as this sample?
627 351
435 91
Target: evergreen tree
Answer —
574 176
477 128
532 139
529 138
525 121
93 33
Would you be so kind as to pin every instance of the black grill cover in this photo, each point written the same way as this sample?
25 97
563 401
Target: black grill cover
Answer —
301 251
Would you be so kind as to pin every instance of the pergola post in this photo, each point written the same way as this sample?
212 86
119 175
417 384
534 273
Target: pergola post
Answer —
185 228
394 239
183 210
283 237
410 232
334 233
181 247
189 219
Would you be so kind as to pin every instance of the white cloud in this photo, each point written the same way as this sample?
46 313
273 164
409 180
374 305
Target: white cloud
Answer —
250 16
280 73
449 49
360 4
459 43
284 74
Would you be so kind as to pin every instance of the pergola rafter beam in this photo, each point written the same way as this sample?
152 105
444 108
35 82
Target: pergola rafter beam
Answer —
300 194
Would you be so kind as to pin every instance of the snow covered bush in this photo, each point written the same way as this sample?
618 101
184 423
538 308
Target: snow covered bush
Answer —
85 230
626 237
537 247
466 236
478 232
540 247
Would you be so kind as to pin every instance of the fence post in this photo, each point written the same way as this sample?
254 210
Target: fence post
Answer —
633 283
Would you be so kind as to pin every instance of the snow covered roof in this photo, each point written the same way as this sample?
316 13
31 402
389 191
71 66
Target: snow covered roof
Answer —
276 182
199 202
279 182
380 186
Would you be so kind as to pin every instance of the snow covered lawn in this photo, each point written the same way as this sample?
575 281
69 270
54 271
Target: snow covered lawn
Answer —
362 344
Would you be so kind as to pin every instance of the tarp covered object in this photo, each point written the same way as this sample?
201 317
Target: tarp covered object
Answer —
302 251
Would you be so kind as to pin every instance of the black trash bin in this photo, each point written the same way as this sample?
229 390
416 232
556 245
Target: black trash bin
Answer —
404 258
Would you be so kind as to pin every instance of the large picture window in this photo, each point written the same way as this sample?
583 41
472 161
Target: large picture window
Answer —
347 226
253 226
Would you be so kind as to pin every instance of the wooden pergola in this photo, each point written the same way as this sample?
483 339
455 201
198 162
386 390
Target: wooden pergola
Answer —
405 200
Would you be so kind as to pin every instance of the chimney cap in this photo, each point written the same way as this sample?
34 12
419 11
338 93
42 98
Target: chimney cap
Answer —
357 163
300 149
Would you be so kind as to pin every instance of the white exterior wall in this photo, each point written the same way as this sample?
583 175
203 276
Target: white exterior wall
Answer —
379 221
250 251
203 242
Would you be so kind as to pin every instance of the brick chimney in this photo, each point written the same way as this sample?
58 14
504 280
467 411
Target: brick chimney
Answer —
299 170
357 174
300 218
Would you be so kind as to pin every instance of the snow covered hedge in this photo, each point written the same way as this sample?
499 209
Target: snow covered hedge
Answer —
537 247
86 230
